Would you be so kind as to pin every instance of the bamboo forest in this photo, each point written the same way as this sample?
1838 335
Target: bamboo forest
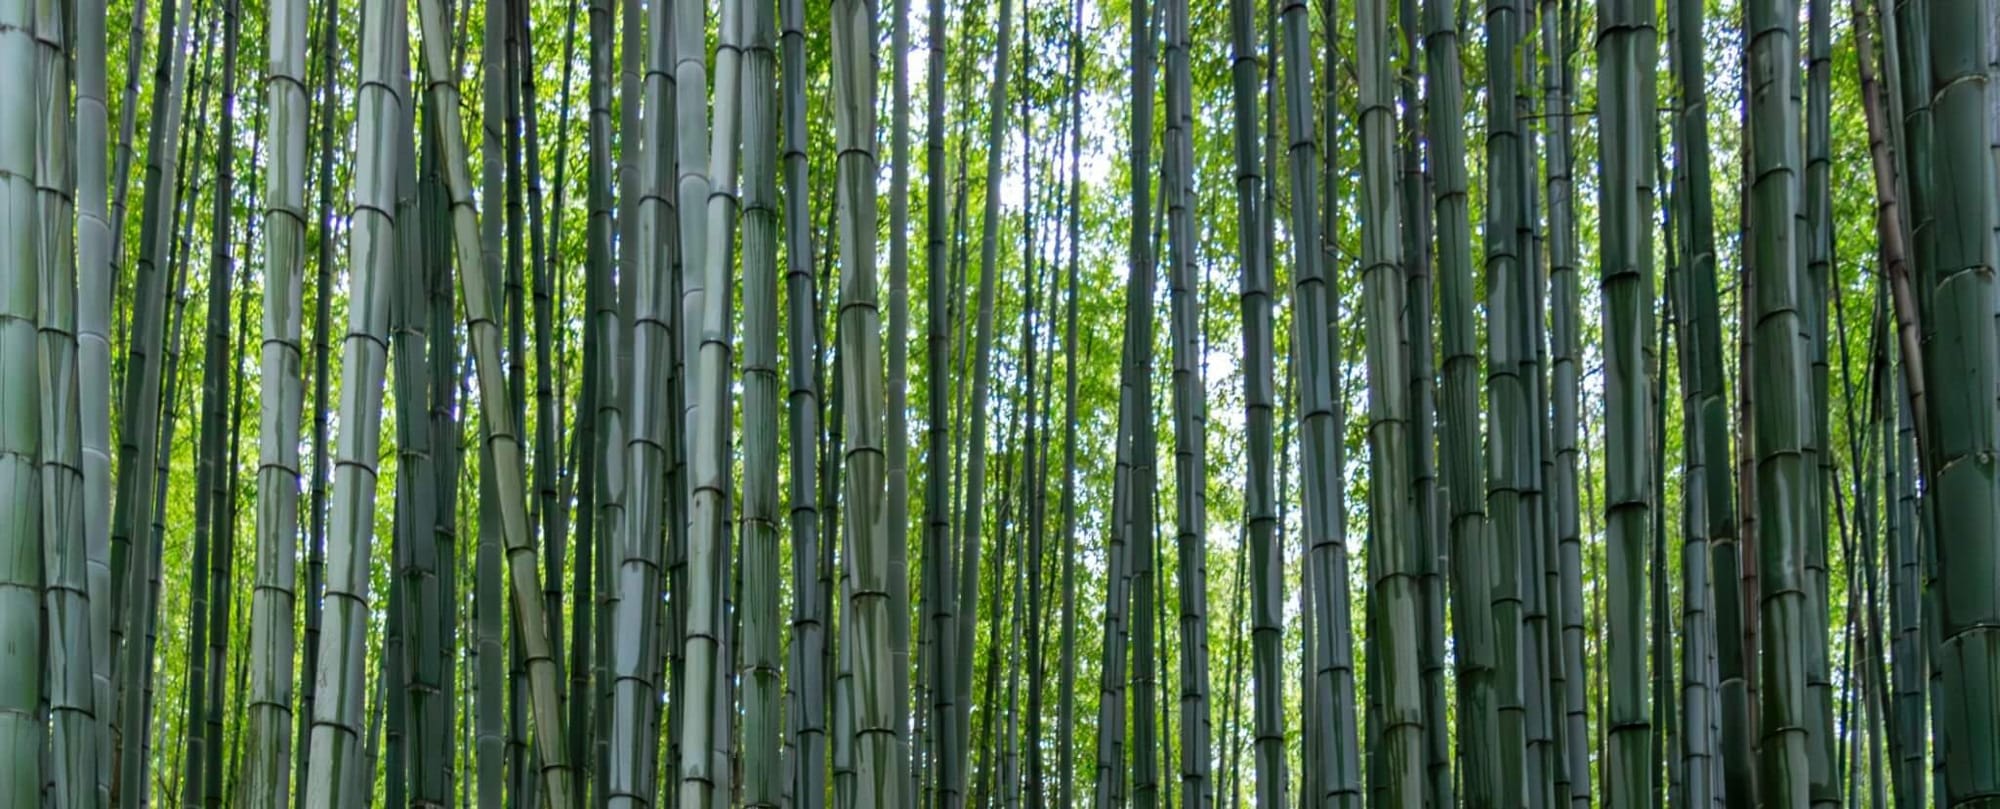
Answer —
987 404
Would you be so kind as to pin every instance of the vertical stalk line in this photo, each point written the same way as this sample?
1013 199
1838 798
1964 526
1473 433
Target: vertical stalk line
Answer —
315 580
96 288
1189 410
280 394
805 665
69 705
1626 54
1331 723
1397 550
897 442
1507 401
763 719
1066 706
1130 508
1782 422
1414 211
1709 525
24 713
337 719
971 517
632 465
1565 359
211 453
1705 407
946 758
1958 296
500 436
1265 561
1461 453
140 417
1815 209
704 732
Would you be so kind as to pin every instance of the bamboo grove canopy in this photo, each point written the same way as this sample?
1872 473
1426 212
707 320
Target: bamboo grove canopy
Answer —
634 403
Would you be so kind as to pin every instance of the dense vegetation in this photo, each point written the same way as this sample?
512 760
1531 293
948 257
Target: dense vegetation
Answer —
1051 403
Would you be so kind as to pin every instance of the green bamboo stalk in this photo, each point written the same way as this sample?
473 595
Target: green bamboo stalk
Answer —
946 761
338 716
1189 412
1781 424
897 442
1130 506
704 740
420 542
141 421
1959 293
1626 53
1462 455
68 685
323 291
805 666
971 516
1397 549
640 461
94 295
1816 211
500 436
1331 723
1565 356
211 452
22 724
1266 563
272 621
763 717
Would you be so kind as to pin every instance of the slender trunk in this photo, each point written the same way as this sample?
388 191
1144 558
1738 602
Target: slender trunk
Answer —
500 436
1189 411
807 653
95 290
22 577
142 383
1461 452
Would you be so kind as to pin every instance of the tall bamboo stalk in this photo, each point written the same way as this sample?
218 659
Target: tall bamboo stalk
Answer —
1959 297
1626 54
21 573
1189 411
500 436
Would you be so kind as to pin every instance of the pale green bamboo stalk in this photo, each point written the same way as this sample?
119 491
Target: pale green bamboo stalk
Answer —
1336 767
272 614
869 561
68 688
640 461
93 323
23 730
1462 457
339 713
945 761
133 516
1394 554
500 435
1266 562
703 775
